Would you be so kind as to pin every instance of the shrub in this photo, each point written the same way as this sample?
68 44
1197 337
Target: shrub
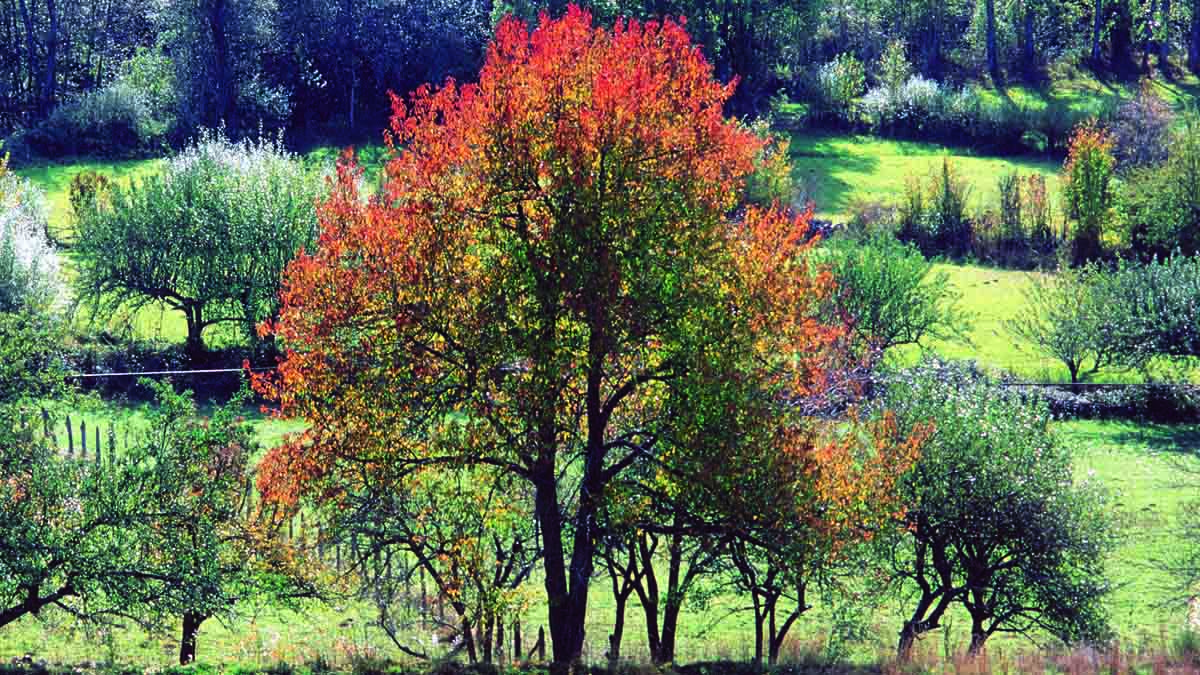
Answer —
1018 234
29 264
1036 213
113 121
1141 129
894 66
132 115
934 216
840 82
1159 206
1154 308
1087 189
888 295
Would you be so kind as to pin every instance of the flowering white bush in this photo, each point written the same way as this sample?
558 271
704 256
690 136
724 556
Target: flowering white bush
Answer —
29 264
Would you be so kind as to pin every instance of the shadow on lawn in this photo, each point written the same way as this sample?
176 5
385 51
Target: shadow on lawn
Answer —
1176 439
817 169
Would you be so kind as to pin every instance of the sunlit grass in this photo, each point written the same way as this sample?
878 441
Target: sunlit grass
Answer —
834 170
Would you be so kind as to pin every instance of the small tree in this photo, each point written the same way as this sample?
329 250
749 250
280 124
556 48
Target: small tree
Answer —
1087 189
159 531
994 520
1066 316
208 548
894 68
840 82
209 237
889 295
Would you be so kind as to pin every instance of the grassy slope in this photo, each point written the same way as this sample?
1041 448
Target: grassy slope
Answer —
835 170
1084 92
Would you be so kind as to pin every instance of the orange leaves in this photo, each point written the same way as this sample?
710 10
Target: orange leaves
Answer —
781 291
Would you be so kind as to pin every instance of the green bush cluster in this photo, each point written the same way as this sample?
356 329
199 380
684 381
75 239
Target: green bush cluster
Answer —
1127 317
925 109
134 115
1019 232
29 263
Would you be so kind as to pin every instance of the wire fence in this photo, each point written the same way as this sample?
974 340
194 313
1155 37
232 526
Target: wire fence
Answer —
265 369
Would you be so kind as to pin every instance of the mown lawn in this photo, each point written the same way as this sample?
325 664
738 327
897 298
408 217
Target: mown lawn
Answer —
836 170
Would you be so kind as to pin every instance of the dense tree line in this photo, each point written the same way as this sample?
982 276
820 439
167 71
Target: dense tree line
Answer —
325 66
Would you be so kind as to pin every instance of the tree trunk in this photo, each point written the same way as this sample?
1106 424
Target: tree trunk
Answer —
673 605
648 594
566 603
1148 36
194 347
1097 27
51 76
993 59
978 637
908 636
30 45
218 17
618 632
469 641
1194 39
187 643
760 617
1164 44
1029 46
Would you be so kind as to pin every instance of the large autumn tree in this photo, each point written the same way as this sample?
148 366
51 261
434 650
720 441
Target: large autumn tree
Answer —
550 282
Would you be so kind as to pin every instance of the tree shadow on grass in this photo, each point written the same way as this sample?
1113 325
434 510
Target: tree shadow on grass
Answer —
1182 440
818 169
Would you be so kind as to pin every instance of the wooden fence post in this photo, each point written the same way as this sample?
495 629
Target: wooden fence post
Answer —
540 647
83 439
99 449
70 438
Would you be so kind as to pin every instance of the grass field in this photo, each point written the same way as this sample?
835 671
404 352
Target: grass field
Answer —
835 170
1142 465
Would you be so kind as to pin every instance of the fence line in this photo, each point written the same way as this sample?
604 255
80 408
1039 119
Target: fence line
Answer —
217 371
147 373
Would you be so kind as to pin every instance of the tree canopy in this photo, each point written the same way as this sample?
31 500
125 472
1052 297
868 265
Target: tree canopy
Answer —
548 282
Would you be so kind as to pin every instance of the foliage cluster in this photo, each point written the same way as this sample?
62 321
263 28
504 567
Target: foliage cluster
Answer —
208 237
29 263
923 108
1087 189
995 521
324 67
1095 317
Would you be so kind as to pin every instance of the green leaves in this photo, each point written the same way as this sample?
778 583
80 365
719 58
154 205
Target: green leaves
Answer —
996 521
888 295
209 237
